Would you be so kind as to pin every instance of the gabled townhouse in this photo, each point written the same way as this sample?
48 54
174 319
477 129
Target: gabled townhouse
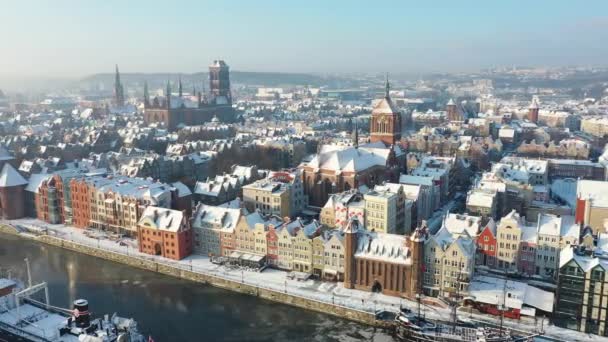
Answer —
486 245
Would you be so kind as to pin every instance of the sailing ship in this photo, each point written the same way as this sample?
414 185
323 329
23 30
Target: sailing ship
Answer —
414 327
23 318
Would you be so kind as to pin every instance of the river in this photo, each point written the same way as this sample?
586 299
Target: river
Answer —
170 309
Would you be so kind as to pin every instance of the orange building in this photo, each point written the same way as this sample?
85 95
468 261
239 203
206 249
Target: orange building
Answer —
164 232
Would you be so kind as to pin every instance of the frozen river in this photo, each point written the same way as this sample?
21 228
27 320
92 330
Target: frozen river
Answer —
170 309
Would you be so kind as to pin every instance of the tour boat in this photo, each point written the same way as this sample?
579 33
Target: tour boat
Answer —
23 318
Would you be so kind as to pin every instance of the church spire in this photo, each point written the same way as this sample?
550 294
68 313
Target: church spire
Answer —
168 94
356 135
387 87
179 85
119 95
146 94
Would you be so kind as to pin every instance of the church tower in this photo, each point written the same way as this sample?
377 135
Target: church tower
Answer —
385 125
355 135
219 83
452 111
119 93
146 95
168 95
533 110
180 90
350 247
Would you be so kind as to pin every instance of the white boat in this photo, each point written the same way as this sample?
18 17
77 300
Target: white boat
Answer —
22 318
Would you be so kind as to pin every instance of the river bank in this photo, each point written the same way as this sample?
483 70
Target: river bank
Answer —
171 309
181 273
272 285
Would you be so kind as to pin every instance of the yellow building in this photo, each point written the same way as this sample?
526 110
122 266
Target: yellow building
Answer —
381 211
333 257
318 252
450 261
269 197
508 238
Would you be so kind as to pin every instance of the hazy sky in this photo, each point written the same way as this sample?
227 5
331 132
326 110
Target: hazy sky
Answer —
79 37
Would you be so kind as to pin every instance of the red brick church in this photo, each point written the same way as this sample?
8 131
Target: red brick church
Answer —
385 125
196 109
338 168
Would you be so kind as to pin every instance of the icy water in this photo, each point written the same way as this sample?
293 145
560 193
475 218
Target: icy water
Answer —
170 309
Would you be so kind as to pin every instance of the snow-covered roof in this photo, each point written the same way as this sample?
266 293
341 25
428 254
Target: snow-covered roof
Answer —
10 177
384 106
482 199
529 234
161 218
182 189
596 191
35 180
207 216
253 219
444 239
459 223
513 294
549 224
383 247
569 228
416 180
348 158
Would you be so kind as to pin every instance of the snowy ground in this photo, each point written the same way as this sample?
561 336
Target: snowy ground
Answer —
277 280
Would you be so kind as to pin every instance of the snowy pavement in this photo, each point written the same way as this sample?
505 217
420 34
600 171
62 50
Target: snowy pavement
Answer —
328 292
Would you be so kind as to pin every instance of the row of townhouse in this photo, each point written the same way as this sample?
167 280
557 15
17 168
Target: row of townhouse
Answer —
112 203
284 244
449 256
382 262
361 258
532 248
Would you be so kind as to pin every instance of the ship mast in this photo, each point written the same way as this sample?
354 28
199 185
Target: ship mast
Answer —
455 302
29 273
503 305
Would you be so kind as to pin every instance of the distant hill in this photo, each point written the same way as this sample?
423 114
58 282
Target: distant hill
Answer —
156 80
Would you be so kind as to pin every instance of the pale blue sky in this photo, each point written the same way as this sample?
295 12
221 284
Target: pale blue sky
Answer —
79 37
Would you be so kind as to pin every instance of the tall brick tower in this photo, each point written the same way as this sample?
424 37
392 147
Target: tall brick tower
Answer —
350 246
416 246
533 110
385 124
451 110
219 83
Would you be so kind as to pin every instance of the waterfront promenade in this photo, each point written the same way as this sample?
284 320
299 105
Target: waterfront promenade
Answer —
326 297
